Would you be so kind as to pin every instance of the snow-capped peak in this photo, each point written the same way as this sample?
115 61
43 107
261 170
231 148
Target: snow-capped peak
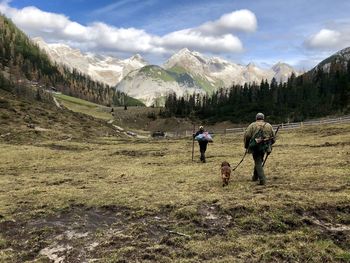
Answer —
107 69
137 57
283 71
342 57
251 65
189 60
183 51
282 66
344 52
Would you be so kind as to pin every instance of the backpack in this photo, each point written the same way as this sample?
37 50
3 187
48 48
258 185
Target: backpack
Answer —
257 142
205 136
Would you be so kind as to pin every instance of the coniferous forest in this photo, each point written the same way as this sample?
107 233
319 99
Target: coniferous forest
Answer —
23 65
313 94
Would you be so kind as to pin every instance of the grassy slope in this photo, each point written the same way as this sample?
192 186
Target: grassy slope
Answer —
177 74
83 106
156 72
50 121
130 101
76 100
201 82
155 205
135 118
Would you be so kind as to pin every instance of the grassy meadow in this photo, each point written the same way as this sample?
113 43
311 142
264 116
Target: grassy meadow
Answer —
110 199
83 106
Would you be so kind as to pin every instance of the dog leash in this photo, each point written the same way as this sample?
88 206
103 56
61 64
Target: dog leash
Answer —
246 151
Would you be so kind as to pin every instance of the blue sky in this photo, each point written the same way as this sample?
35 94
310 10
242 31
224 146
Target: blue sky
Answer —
298 32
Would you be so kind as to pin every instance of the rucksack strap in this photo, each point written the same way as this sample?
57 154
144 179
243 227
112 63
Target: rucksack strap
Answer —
260 129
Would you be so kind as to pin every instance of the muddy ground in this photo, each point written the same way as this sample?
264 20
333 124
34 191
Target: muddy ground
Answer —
119 234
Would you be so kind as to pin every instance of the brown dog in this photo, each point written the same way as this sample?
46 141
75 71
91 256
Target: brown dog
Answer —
225 173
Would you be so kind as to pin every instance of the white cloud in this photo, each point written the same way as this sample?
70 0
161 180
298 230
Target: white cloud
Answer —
325 38
33 19
213 36
241 20
195 40
75 29
331 39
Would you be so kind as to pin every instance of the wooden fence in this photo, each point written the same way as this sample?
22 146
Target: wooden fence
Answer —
284 126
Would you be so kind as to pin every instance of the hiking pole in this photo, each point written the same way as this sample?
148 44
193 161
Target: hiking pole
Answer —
267 154
194 126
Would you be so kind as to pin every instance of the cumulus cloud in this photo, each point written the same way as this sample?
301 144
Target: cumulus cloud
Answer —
325 38
241 20
214 36
328 39
196 40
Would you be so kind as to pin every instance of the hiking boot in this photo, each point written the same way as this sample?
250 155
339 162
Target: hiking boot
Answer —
261 182
254 179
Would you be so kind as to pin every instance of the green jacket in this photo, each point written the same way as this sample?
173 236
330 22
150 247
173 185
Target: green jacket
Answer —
254 127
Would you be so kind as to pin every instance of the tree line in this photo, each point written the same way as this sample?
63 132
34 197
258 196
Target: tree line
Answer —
314 94
23 61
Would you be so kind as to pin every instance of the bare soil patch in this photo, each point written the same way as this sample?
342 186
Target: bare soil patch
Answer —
135 153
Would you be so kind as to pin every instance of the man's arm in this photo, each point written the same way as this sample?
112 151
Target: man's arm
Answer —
272 134
247 136
195 134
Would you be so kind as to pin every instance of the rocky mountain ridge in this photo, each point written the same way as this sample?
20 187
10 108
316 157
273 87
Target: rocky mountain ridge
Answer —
342 58
202 74
216 69
106 69
184 72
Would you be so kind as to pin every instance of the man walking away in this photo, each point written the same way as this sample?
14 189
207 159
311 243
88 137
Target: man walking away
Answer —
202 143
258 140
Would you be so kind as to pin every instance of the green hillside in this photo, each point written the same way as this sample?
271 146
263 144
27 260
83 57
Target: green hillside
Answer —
195 79
179 75
156 72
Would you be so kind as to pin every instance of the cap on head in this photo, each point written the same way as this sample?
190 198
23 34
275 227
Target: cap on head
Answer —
201 128
260 116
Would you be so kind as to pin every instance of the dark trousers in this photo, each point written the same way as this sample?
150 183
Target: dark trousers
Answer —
258 169
202 149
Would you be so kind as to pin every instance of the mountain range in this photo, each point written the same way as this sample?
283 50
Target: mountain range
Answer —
188 71
340 58
183 73
106 69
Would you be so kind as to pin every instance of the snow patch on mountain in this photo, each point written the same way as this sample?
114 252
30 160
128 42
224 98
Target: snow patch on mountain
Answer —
106 69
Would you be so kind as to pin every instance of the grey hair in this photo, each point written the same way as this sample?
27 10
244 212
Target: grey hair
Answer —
260 116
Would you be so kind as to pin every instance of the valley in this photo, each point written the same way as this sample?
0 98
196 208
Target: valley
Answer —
96 152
